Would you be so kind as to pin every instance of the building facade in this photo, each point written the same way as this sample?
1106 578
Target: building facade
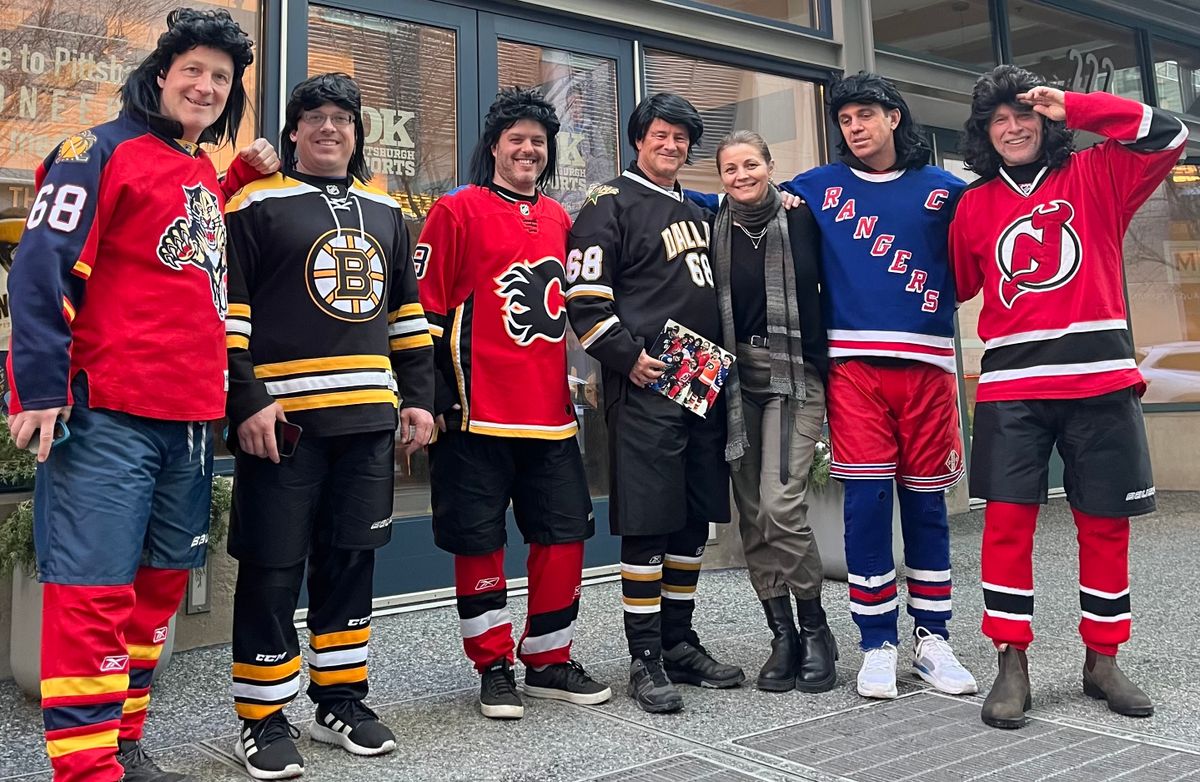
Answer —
429 69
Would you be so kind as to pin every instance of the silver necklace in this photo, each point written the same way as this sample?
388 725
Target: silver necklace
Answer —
755 238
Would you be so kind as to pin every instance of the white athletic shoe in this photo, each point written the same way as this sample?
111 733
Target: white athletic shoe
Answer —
934 661
877 676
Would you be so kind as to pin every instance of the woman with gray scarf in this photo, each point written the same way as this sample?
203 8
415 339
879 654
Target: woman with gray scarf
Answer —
767 285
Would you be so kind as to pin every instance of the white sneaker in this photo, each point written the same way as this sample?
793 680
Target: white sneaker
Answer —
934 661
877 676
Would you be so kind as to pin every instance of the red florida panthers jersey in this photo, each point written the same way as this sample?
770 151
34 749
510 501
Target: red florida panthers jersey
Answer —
491 280
1048 256
121 274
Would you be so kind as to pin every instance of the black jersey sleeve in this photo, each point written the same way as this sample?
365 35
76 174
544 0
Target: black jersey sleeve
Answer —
408 330
247 393
594 249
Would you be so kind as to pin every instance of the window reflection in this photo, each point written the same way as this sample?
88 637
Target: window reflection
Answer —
798 12
1162 269
1177 76
786 112
1074 52
952 31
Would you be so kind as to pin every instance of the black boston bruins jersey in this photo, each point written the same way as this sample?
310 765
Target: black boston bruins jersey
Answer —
324 316
637 255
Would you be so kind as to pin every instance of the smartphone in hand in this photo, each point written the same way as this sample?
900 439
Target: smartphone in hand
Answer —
287 437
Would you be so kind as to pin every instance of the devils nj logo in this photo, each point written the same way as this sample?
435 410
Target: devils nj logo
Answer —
198 240
534 304
1038 252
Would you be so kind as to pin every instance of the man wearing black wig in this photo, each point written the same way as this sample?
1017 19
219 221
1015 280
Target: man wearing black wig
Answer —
118 302
638 257
324 325
1040 234
490 260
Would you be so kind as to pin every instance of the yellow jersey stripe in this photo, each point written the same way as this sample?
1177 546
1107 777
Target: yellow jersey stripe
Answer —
592 294
677 589
239 310
408 343
406 311
133 705
236 342
68 310
436 331
256 711
347 676
534 434
344 638
266 673
102 740
628 576
141 652
304 365
642 601
82 269
314 401
676 565
66 686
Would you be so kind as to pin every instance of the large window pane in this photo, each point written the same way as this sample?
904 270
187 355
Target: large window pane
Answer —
958 32
409 82
1177 75
785 112
1162 267
797 12
1074 52
583 89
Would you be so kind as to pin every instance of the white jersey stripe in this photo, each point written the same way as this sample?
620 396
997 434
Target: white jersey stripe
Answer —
331 381
1083 327
1007 590
926 575
1058 370
872 581
559 639
267 692
335 658
874 610
478 625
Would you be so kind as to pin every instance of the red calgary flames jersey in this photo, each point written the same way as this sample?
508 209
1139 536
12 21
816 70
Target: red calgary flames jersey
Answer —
1048 259
491 276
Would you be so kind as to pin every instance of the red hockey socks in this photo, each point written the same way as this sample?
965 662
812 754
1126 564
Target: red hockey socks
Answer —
1008 573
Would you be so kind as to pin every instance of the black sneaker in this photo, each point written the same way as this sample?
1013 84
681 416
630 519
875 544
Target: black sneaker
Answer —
353 727
267 747
139 767
688 663
650 687
565 682
498 696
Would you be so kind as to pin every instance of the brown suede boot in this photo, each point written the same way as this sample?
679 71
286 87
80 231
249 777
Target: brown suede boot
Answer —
1102 679
1009 698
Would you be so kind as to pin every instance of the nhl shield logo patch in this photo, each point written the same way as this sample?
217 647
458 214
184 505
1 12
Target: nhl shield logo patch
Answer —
525 209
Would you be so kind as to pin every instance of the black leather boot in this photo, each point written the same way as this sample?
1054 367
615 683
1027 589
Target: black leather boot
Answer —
1104 680
778 673
1009 698
815 669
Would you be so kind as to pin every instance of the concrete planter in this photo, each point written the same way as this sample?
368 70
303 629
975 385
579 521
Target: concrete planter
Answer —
25 654
826 517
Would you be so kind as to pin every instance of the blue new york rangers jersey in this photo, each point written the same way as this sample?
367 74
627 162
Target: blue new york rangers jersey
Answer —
886 283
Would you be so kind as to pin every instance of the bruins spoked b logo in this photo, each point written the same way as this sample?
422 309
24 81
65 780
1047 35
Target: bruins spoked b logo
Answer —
346 273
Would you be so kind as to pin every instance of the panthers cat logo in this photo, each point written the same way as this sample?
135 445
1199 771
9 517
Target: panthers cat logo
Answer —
198 240
534 304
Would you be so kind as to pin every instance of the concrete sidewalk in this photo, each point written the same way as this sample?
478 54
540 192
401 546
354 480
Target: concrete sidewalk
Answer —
425 689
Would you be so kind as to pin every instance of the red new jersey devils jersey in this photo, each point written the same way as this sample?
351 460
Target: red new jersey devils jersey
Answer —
491 276
1048 256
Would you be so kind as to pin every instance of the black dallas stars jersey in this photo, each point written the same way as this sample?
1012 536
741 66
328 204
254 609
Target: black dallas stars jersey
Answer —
323 309
638 255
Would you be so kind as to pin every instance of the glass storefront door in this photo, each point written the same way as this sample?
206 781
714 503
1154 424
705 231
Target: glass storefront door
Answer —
428 73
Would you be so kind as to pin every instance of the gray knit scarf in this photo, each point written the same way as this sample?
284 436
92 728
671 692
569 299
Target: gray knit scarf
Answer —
783 311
